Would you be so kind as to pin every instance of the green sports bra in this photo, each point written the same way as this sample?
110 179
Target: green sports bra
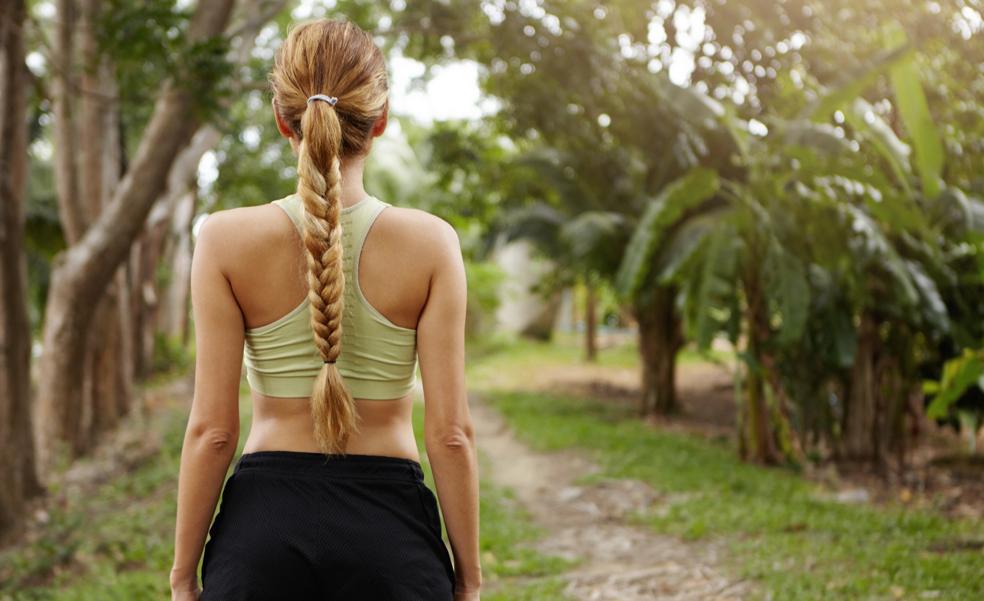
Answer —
378 358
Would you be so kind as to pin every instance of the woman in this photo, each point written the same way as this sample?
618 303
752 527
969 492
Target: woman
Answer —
335 300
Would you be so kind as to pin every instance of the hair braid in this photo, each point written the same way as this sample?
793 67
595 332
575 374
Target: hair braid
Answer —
338 58
332 406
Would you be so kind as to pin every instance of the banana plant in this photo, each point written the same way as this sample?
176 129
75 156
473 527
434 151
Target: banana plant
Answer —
655 243
841 271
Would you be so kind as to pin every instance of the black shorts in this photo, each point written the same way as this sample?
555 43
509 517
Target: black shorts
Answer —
296 526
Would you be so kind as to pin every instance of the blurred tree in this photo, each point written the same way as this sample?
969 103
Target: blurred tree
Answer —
19 480
98 244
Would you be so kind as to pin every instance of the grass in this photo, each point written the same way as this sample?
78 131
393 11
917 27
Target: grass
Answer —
782 530
116 543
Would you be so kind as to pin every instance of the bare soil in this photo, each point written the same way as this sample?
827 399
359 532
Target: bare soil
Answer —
617 560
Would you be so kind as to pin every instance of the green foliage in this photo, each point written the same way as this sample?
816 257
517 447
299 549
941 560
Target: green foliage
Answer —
787 287
709 293
147 45
595 240
170 356
117 544
873 129
915 113
853 84
484 279
660 215
43 238
959 375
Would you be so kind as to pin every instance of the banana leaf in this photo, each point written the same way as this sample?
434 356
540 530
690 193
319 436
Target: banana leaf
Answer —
659 215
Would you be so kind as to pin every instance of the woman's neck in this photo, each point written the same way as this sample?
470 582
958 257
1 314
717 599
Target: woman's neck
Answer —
353 189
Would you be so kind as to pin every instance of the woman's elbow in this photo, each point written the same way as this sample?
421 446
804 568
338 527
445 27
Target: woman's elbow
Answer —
456 437
214 439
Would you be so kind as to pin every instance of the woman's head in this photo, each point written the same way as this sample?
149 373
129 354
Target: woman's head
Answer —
333 58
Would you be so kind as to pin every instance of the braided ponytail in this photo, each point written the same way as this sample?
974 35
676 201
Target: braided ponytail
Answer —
332 406
338 58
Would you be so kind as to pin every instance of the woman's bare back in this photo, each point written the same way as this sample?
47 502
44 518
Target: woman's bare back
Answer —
269 278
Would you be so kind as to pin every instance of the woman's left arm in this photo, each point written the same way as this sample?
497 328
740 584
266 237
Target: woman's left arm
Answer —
212 435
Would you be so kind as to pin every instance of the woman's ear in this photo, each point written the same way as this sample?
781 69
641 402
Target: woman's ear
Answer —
380 126
285 130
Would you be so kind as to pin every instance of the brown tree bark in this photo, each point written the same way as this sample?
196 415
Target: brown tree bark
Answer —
147 254
104 364
174 315
590 320
18 474
660 338
860 429
65 134
758 432
81 275
880 393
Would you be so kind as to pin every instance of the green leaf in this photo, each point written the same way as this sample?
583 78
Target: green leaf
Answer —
818 136
854 83
538 222
688 100
711 290
877 247
590 231
684 243
788 289
931 301
863 118
959 374
663 212
595 240
911 100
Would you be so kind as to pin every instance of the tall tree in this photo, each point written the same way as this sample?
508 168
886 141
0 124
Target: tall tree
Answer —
166 238
82 274
18 476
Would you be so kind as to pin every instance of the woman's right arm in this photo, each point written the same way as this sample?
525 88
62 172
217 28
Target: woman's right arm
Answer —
448 433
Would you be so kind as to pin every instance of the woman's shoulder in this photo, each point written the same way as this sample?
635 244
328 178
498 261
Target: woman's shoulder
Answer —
417 229
238 230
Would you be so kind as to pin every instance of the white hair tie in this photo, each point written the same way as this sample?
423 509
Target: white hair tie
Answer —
332 100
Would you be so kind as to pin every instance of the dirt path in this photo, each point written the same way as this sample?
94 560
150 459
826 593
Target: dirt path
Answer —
619 561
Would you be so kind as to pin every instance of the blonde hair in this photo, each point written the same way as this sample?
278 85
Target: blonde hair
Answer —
336 58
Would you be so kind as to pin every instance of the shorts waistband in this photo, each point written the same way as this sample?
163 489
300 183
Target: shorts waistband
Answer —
333 466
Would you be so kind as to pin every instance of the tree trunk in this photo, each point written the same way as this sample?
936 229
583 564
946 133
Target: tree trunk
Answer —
590 320
149 248
174 316
81 275
786 435
18 474
758 432
860 429
64 90
126 373
880 395
96 124
660 338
